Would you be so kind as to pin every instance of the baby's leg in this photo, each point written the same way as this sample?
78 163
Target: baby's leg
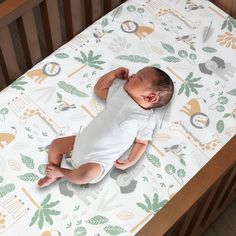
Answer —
57 148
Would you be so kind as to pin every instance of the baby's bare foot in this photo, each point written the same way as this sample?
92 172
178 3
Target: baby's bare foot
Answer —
45 181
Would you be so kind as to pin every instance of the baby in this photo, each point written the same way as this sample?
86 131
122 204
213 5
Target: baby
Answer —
126 122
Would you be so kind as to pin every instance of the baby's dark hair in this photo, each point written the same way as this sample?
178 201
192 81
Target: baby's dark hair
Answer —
164 86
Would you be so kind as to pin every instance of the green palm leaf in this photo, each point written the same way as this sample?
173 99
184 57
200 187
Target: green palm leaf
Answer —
159 206
34 218
50 205
144 207
155 201
28 161
79 60
192 88
197 85
95 57
190 75
97 62
46 200
95 66
148 202
90 55
41 219
181 89
85 59
194 80
187 91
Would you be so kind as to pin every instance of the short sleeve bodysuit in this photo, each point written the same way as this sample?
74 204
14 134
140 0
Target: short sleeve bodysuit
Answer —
113 130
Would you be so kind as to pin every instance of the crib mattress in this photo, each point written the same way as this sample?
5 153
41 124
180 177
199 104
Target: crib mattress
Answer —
195 43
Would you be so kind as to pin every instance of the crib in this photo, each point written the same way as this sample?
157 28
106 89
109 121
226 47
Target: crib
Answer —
202 199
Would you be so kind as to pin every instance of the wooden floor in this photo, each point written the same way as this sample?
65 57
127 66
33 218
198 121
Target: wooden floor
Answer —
225 224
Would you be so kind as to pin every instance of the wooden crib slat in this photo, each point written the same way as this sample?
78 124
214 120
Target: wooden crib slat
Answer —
29 38
187 221
225 181
107 6
206 202
3 82
88 12
8 59
230 191
73 17
51 24
12 9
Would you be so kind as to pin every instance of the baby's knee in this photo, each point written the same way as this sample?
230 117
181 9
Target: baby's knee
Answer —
55 144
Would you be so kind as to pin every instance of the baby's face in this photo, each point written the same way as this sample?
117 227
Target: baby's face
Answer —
139 84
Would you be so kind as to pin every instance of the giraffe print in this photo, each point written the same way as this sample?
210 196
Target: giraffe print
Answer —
25 108
209 146
160 8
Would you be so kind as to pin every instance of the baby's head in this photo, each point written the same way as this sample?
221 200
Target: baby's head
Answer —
150 87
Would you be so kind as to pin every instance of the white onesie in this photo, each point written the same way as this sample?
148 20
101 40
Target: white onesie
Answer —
113 130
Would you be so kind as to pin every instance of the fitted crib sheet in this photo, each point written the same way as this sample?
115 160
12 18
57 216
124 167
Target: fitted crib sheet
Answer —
194 42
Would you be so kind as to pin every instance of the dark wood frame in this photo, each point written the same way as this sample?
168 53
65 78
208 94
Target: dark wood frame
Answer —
206 195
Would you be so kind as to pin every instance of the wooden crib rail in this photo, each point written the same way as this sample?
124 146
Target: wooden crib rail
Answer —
32 29
201 200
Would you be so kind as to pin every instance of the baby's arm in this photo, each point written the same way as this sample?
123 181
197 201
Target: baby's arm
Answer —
136 152
103 84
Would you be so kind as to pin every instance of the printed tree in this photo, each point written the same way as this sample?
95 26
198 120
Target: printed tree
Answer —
151 207
189 85
87 60
45 212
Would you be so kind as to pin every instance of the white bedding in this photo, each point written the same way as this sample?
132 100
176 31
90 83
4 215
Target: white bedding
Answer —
194 42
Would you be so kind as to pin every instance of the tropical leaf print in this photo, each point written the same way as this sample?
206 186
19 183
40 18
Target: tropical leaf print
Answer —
29 177
96 220
88 60
171 59
151 206
190 85
168 47
229 23
80 231
114 229
4 190
45 212
209 49
71 89
116 13
133 58
61 55
28 161
153 159
17 84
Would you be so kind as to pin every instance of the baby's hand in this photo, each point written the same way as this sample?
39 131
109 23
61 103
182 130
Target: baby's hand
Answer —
122 164
121 73
53 171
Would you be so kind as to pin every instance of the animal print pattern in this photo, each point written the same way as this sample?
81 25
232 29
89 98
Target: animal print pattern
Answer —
194 42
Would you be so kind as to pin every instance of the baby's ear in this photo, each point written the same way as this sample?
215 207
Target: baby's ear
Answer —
152 98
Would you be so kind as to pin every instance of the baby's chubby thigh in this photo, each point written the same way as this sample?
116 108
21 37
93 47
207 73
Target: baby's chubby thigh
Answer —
90 172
